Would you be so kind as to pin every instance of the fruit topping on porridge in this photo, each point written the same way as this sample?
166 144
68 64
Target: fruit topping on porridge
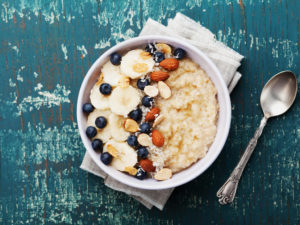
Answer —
152 112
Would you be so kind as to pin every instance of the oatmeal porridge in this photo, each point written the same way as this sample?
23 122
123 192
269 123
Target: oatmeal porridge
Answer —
152 112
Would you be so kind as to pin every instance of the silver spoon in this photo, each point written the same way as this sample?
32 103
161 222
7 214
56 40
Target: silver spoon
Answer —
276 98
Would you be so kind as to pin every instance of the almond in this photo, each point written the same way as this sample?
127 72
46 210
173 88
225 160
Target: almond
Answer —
131 125
157 138
147 165
169 64
150 116
163 174
158 120
159 75
131 170
144 139
164 90
151 91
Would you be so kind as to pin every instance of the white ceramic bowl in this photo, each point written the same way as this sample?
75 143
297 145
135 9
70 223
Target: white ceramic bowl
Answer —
223 121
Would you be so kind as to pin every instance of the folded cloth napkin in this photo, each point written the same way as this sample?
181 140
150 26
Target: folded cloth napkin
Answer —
227 61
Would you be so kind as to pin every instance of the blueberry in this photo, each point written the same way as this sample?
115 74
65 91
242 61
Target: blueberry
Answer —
91 132
132 140
97 145
105 89
136 114
87 108
141 174
158 57
115 59
179 53
142 83
142 152
147 101
101 122
106 158
150 48
145 128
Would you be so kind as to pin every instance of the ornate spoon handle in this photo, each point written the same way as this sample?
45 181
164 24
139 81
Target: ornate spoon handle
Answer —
227 192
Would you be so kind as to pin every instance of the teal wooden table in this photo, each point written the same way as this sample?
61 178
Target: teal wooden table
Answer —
46 47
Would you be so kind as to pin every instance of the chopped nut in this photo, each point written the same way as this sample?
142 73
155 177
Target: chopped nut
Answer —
131 125
151 91
100 79
150 116
163 174
113 151
164 48
140 67
164 90
158 120
144 140
145 55
131 170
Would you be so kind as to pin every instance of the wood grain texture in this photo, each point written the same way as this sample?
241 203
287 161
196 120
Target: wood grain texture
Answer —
46 47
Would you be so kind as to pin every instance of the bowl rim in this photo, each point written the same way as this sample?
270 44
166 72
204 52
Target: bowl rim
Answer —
154 38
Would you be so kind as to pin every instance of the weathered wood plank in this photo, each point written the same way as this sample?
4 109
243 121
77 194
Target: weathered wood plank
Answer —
46 47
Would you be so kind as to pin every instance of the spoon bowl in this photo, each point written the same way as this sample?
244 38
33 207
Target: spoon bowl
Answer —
278 94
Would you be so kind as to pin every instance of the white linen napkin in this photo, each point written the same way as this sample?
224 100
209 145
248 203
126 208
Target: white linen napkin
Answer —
227 61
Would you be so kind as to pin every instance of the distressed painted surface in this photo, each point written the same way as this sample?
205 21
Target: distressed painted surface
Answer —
46 47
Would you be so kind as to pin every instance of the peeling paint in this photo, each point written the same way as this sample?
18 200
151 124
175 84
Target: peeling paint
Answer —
45 98
38 87
19 77
11 83
16 49
35 74
50 14
65 51
118 35
193 3
54 146
278 46
82 50
102 44
251 41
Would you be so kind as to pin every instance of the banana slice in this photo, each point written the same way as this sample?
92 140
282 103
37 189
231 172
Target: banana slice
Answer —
136 63
125 157
116 125
98 100
103 134
123 100
111 74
